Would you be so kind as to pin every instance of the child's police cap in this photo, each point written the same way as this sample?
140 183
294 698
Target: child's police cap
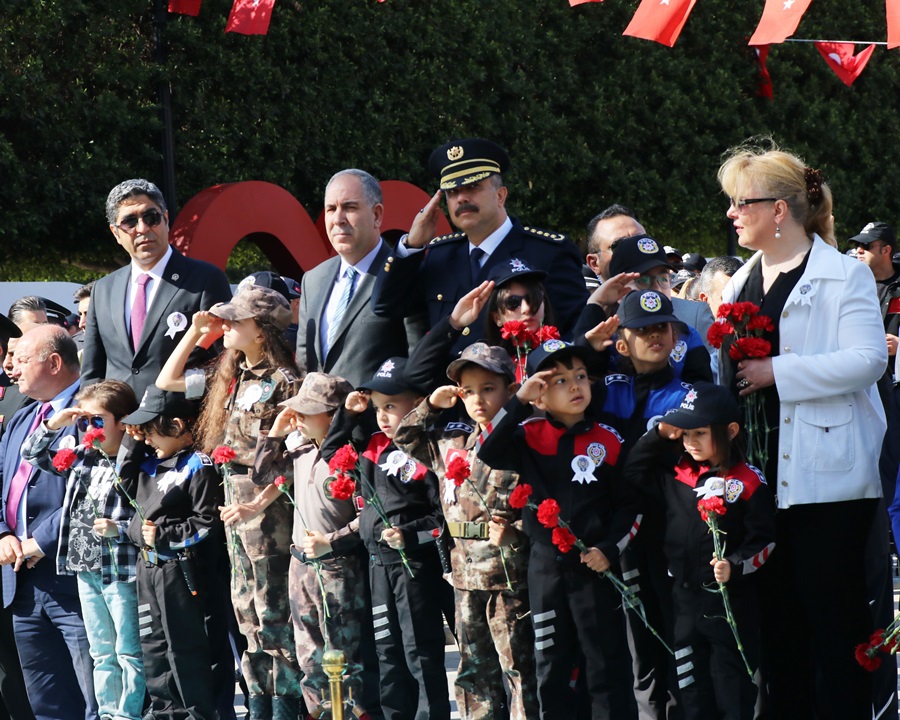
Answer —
256 301
637 253
319 393
705 404
492 358
551 351
513 269
157 402
641 308
389 379
463 162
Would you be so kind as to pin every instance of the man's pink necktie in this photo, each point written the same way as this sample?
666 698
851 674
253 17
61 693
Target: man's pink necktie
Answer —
139 310
23 473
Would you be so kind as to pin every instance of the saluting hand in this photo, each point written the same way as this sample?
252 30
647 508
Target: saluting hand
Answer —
424 224
468 307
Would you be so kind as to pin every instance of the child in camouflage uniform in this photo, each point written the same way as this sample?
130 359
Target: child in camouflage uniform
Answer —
254 374
496 638
332 621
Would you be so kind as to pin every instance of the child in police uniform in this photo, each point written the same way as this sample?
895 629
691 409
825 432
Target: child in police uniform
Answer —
178 492
697 452
406 597
496 639
574 460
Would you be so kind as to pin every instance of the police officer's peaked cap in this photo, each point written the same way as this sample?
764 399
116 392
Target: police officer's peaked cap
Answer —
463 162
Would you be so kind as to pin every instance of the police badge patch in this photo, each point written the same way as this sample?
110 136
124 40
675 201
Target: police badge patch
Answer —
651 302
679 351
597 453
647 246
733 489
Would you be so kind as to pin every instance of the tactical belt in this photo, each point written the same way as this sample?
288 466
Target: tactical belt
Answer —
155 558
468 530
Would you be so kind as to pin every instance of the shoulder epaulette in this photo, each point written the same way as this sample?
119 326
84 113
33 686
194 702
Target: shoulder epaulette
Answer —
448 238
545 234
458 427
288 374
204 458
617 377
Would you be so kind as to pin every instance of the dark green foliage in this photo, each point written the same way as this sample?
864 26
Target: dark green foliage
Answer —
590 117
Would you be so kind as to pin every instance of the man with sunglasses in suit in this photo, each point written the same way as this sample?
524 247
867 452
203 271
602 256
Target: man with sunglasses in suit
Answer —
137 313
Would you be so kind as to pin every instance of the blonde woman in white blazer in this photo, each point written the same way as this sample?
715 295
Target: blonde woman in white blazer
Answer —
827 423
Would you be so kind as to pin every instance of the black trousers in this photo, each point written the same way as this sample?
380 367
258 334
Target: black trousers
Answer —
815 612
409 641
177 658
713 680
573 608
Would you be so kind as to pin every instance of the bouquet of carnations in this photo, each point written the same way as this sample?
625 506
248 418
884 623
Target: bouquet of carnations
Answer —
525 340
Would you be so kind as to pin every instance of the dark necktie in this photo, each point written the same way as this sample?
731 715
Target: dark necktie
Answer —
475 264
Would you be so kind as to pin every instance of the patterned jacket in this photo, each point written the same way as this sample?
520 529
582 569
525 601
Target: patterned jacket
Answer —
93 471
476 563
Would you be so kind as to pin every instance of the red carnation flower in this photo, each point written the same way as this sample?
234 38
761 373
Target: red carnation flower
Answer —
280 482
564 539
548 513
93 437
514 330
458 470
867 657
344 460
64 459
546 332
342 488
711 506
749 347
718 332
742 310
724 311
761 322
518 498
223 454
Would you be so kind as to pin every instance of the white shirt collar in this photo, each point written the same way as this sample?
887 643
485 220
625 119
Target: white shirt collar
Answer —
61 400
156 271
490 243
362 267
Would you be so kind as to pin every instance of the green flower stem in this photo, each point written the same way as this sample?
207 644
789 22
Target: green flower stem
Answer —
112 555
509 584
719 550
375 502
232 535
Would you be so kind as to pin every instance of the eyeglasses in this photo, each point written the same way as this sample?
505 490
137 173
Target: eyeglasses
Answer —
870 247
740 204
151 218
645 282
95 421
511 303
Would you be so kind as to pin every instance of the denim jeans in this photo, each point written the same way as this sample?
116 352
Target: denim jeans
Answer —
111 622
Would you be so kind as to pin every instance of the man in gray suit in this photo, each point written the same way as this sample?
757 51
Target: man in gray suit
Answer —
137 313
338 333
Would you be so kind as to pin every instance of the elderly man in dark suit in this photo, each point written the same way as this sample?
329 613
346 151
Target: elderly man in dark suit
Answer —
47 616
436 273
137 313
338 333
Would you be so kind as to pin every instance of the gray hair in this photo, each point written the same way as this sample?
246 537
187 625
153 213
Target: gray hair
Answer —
29 303
725 264
130 188
371 187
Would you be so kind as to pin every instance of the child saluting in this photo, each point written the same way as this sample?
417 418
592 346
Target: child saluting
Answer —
696 451
573 459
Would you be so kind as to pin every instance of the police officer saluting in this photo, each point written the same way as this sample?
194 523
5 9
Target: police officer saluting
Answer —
470 173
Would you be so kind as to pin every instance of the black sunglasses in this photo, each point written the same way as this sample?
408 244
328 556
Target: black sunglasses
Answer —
95 421
151 218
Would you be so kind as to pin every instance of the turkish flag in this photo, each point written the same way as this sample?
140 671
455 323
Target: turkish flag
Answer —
764 83
779 21
573 3
660 20
250 17
893 22
841 59
185 7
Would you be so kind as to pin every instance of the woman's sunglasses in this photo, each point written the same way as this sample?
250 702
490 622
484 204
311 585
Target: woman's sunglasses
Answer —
95 421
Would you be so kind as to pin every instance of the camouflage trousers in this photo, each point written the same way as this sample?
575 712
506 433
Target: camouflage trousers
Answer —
340 630
496 639
259 593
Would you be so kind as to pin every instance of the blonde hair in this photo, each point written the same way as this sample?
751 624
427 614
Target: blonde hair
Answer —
785 176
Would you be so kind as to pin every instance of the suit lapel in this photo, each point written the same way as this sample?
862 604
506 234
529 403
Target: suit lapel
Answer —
320 295
118 292
362 294
168 287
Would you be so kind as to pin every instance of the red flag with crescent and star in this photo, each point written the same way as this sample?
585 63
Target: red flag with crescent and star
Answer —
892 8
841 59
779 21
250 17
660 20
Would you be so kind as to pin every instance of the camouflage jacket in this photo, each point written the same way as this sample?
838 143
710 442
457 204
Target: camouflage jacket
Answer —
476 563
